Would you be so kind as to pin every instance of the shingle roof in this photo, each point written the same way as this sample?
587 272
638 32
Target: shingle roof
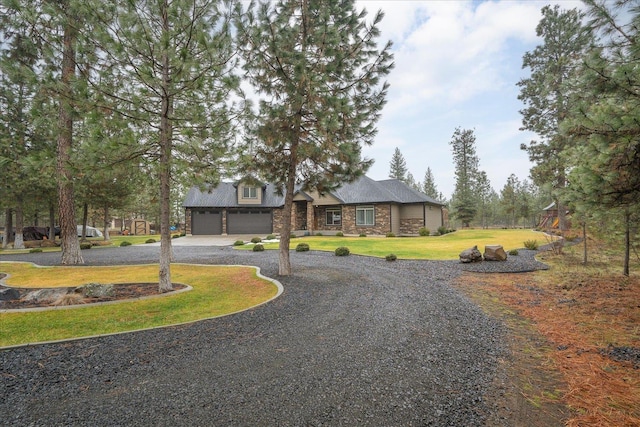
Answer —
225 195
363 190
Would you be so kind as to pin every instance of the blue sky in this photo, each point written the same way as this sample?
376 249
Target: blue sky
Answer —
456 64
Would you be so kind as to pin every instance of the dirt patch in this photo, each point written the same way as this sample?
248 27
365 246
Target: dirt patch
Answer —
122 292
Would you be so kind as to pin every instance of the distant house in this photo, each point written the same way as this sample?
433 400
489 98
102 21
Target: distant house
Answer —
364 206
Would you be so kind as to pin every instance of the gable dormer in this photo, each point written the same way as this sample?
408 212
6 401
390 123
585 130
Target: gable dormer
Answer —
249 192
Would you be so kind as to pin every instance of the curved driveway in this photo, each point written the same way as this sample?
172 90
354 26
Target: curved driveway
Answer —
352 341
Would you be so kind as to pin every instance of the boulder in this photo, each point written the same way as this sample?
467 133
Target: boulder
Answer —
9 294
47 295
494 253
470 255
96 290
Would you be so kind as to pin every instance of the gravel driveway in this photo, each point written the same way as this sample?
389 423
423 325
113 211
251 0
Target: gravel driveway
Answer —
352 341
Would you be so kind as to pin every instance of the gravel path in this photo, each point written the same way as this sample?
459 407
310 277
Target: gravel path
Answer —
352 341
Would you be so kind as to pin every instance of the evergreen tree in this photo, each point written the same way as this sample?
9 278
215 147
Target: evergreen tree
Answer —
546 94
167 66
483 192
398 166
318 70
463 203
509 199
429 186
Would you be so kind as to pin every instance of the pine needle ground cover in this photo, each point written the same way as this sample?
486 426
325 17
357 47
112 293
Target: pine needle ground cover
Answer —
446 247
587 319
216 291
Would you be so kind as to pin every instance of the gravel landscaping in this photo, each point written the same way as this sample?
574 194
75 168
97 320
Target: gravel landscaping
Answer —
352 341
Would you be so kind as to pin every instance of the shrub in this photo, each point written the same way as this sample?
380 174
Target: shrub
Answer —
238 243
35 250
513 252
292 236
339 234
258 248
342 251
391 235
85 245
150 241
175 236
424 231
391 257
531 244
318 234
363 235
302 247
442 230
125 243
270 237
256 240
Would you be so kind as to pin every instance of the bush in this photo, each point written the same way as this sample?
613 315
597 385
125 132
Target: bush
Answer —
531 245
339 234
125 243
270 237
150 241
35 250
513 252
256 240
391 257
238 243
391 235
175 236
442 230
342 251
85 245
258 247
363 235
424 231
302 247
292 236
318 234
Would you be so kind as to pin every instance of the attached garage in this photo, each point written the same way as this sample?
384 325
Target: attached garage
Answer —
249 221
206 222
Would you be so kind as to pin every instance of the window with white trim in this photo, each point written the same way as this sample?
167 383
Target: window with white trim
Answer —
249 193
334 216
365 215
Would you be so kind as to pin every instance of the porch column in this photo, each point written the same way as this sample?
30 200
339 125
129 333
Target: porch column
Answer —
311 217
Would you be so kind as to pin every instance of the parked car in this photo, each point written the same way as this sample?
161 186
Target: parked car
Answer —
91 232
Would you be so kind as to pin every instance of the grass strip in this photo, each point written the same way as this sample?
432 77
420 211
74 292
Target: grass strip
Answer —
446 247
216 291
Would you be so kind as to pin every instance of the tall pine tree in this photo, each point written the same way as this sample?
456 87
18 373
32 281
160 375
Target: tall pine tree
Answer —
465 159
398 166
318 70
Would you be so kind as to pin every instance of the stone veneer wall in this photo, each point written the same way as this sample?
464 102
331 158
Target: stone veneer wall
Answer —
410 225
382 223
322 220
187 221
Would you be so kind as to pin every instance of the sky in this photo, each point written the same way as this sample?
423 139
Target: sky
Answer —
457 64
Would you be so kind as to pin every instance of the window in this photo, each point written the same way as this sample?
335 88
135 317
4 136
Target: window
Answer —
249 193
364 215
334 217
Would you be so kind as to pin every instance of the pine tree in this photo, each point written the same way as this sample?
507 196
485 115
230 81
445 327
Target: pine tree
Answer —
546 94
483 192
318 70
429 186
463 145
398 166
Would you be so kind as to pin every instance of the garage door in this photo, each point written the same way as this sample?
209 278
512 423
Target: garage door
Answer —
205 222
249 222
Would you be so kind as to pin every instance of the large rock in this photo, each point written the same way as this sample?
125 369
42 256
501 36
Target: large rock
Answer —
47 295
494 253
470 255
9 294
96 290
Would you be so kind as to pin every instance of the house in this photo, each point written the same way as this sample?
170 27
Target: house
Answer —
363 206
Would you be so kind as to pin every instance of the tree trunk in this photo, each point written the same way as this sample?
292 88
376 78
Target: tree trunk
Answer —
85 219
627 242
52 222
106 223
165 167
284 260
66 205
562 217
584 242
8 228
19 239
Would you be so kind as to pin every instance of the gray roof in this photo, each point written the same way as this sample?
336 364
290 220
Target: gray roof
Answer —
363 190
224 195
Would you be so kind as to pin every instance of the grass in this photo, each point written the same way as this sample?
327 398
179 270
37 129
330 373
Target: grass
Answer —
579 311
445 247
113 241
216 291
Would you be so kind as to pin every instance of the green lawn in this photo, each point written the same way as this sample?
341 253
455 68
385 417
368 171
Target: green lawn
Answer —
115 241
444 247
216 291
